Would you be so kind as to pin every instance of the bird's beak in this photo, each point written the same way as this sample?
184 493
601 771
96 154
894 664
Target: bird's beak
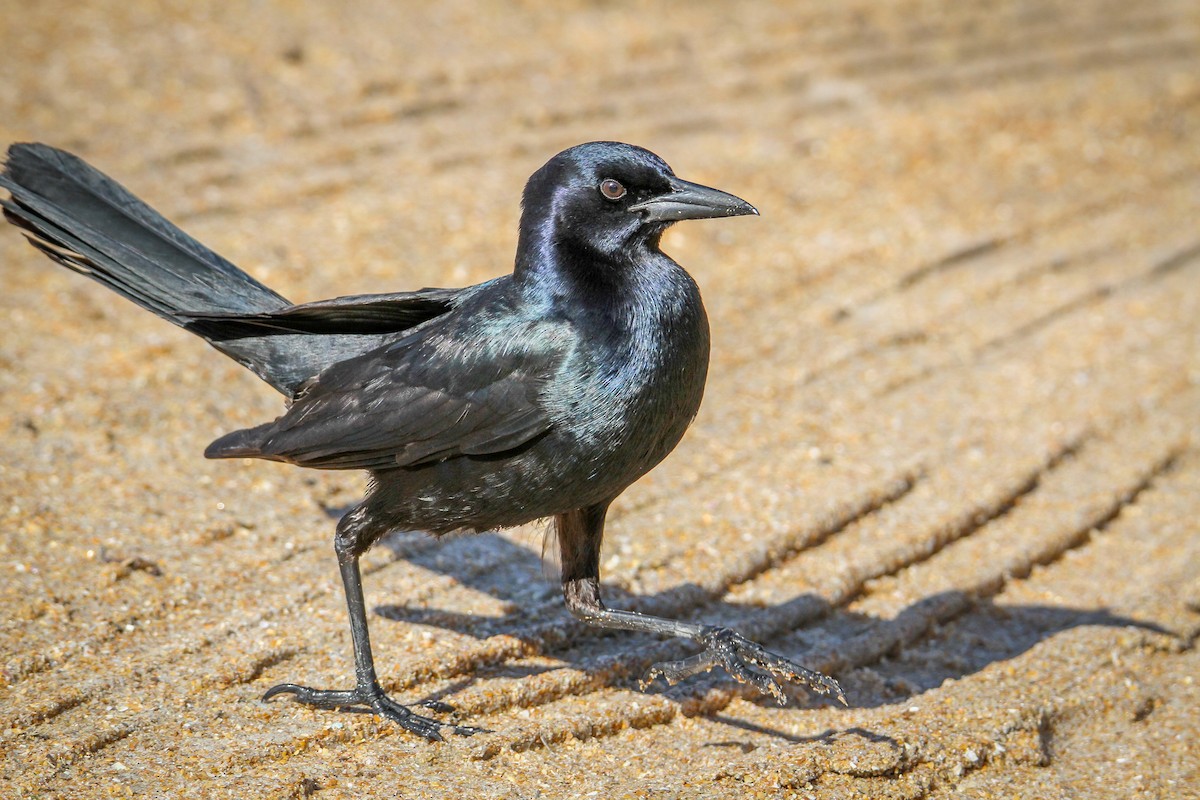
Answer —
686 200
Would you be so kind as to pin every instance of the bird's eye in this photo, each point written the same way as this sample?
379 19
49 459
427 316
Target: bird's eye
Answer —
612 189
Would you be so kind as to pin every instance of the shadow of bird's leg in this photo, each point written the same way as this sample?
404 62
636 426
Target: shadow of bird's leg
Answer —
367 695
580 533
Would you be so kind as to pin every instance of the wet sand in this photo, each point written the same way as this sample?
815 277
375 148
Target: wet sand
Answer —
948 450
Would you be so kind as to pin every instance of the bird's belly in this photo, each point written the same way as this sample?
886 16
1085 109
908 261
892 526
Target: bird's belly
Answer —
481 493
609 439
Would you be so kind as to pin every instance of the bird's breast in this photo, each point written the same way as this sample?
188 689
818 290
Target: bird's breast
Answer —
631 386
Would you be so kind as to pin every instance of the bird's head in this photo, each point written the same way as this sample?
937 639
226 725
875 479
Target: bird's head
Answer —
614 199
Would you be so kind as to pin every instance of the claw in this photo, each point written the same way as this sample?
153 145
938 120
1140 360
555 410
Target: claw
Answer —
437 706
370 699
735 653
321 698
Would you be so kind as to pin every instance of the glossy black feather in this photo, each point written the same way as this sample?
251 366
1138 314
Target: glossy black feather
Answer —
89 223
535 393
362 313
387 408
543 393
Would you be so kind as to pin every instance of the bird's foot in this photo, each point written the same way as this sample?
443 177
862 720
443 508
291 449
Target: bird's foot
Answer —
372 699
735 654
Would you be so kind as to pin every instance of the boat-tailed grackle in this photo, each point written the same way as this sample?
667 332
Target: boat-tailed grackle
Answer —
542 393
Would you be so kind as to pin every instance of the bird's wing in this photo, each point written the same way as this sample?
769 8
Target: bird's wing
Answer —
363 313
425 398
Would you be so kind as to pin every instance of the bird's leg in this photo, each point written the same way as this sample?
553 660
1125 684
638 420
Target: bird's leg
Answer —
580 533
367 695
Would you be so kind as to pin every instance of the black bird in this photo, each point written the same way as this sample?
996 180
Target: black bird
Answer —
543 393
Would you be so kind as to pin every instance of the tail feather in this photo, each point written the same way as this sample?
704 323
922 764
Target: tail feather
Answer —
86 221
124 243
89 223
77 254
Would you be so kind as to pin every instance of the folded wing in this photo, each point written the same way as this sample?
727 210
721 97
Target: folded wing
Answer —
422 399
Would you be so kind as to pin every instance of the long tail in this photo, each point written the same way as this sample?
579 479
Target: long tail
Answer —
86 221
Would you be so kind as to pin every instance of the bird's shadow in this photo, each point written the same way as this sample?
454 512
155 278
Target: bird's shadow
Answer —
982 634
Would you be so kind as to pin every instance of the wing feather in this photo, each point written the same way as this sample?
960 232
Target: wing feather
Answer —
424 399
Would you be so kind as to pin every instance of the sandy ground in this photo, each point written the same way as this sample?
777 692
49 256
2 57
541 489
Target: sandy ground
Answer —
948 450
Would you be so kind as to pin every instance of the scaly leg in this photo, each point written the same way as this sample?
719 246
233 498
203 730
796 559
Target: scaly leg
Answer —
580 533
367 694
